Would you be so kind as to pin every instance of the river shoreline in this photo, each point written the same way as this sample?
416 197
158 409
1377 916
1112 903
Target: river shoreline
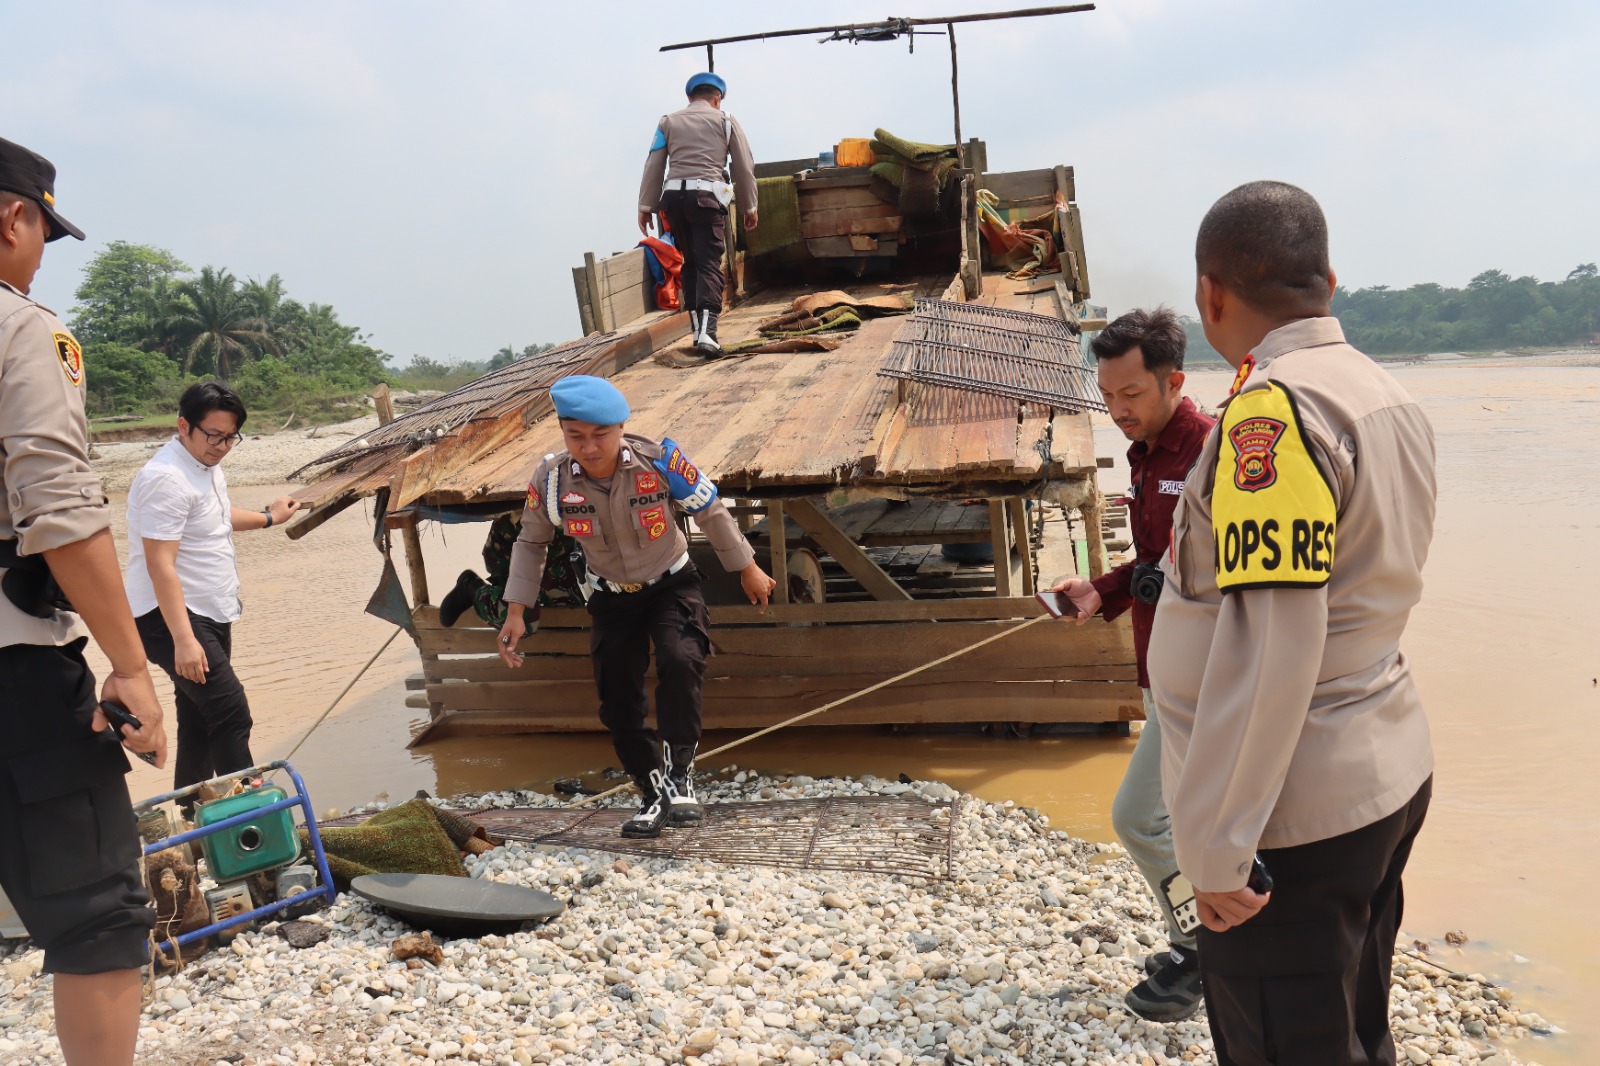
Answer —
1021 957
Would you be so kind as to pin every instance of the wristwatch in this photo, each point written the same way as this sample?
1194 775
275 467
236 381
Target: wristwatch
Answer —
268 512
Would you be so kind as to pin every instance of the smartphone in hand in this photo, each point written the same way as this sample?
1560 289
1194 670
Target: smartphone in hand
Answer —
119 716
1057 604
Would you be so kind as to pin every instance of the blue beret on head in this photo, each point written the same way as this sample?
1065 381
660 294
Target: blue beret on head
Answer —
589 399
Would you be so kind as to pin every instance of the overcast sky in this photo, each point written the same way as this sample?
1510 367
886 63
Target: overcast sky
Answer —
434 170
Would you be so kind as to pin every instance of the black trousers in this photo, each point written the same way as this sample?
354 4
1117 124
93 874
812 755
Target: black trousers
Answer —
672 616
69 852
699 225
1306 981
213 718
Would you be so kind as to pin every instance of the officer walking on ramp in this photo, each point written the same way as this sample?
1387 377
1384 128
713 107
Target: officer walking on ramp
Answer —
613 492
69 854
686 179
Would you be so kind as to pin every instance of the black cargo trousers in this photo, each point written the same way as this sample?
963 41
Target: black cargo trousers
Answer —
670 614
699 224
1306 981
69 851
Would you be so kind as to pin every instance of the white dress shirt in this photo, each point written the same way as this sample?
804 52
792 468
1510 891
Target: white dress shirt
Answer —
177 497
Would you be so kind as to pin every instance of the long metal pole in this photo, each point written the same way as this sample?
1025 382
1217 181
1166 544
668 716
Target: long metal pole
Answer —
955 96
889 24
711 59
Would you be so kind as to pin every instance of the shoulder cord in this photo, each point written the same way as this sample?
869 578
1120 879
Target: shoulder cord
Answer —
552 488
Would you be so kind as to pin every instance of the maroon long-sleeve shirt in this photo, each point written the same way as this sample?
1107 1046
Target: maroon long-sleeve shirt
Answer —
1157 476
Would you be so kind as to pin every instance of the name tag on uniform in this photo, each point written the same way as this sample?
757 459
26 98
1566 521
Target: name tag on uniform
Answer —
1171 488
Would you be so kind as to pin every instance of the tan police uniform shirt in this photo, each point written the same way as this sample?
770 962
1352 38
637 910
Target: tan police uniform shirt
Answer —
50 495
1288 712
696 143
627 530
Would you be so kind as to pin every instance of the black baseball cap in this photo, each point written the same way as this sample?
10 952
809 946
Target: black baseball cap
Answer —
32 175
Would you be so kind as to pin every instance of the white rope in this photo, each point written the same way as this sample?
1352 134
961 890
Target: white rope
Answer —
831 705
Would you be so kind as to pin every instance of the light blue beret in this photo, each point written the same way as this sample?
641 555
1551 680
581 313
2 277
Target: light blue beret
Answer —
589 399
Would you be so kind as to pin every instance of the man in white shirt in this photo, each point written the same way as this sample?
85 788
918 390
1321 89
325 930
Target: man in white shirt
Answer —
183 579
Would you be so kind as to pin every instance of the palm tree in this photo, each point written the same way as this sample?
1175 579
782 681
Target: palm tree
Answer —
284 319
214 326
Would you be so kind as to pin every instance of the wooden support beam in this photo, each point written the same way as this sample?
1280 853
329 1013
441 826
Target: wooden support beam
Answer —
1093 513
580 285
383 403
1002 548
1019 526
845 551
596 297
407 524
780 551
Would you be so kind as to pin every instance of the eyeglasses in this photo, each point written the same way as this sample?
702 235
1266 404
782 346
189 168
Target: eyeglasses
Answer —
214 439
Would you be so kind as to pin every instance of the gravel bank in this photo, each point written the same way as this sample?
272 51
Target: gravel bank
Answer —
260 459
1021 959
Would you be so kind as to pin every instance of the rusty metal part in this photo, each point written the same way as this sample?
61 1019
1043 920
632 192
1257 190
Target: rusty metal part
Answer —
995 351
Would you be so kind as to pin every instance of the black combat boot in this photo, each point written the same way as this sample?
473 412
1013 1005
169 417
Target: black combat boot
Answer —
683 807
705 338
694 327
459 600
652 813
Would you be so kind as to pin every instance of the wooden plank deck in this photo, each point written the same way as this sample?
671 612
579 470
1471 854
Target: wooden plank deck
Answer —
778 424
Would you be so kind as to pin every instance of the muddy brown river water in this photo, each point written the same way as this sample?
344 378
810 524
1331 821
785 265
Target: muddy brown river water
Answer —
1505 645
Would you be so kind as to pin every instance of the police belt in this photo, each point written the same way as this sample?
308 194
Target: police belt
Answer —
693 185
629 586
29 584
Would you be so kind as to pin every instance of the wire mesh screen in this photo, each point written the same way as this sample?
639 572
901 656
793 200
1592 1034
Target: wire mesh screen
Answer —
996 351
865 834
490 396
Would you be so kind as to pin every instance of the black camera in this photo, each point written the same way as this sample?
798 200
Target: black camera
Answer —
1147 582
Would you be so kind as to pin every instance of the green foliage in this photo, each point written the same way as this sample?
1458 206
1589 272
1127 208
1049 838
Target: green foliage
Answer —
124 380
151 326
1199 349
506 356
112 299
1494 311
214 328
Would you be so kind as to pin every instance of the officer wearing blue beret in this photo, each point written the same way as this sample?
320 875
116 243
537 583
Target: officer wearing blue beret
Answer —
617 495
686 180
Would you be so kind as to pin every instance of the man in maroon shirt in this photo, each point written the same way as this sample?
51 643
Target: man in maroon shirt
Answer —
1140 359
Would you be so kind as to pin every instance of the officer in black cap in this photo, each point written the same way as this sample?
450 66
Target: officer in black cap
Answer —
69 853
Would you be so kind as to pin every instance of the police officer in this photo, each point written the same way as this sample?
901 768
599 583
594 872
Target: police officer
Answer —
69 854
686 179
1290 724
615 493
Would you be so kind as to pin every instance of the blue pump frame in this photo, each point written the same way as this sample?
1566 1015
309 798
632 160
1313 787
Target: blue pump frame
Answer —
301 799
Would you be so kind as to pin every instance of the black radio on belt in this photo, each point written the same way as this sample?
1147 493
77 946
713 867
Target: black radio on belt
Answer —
29 584
1147 582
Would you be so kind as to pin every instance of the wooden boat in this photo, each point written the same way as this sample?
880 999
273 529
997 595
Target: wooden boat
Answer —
855 486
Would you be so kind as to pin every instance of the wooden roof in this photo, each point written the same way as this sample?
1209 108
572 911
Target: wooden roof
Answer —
764 425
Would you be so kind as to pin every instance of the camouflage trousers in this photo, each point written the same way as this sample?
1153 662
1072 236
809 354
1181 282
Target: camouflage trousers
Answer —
564 572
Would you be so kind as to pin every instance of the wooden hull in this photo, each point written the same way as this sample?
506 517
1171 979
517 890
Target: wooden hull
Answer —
766 672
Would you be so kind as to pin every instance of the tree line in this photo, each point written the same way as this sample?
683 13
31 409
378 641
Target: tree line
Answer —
150 325
1493 312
